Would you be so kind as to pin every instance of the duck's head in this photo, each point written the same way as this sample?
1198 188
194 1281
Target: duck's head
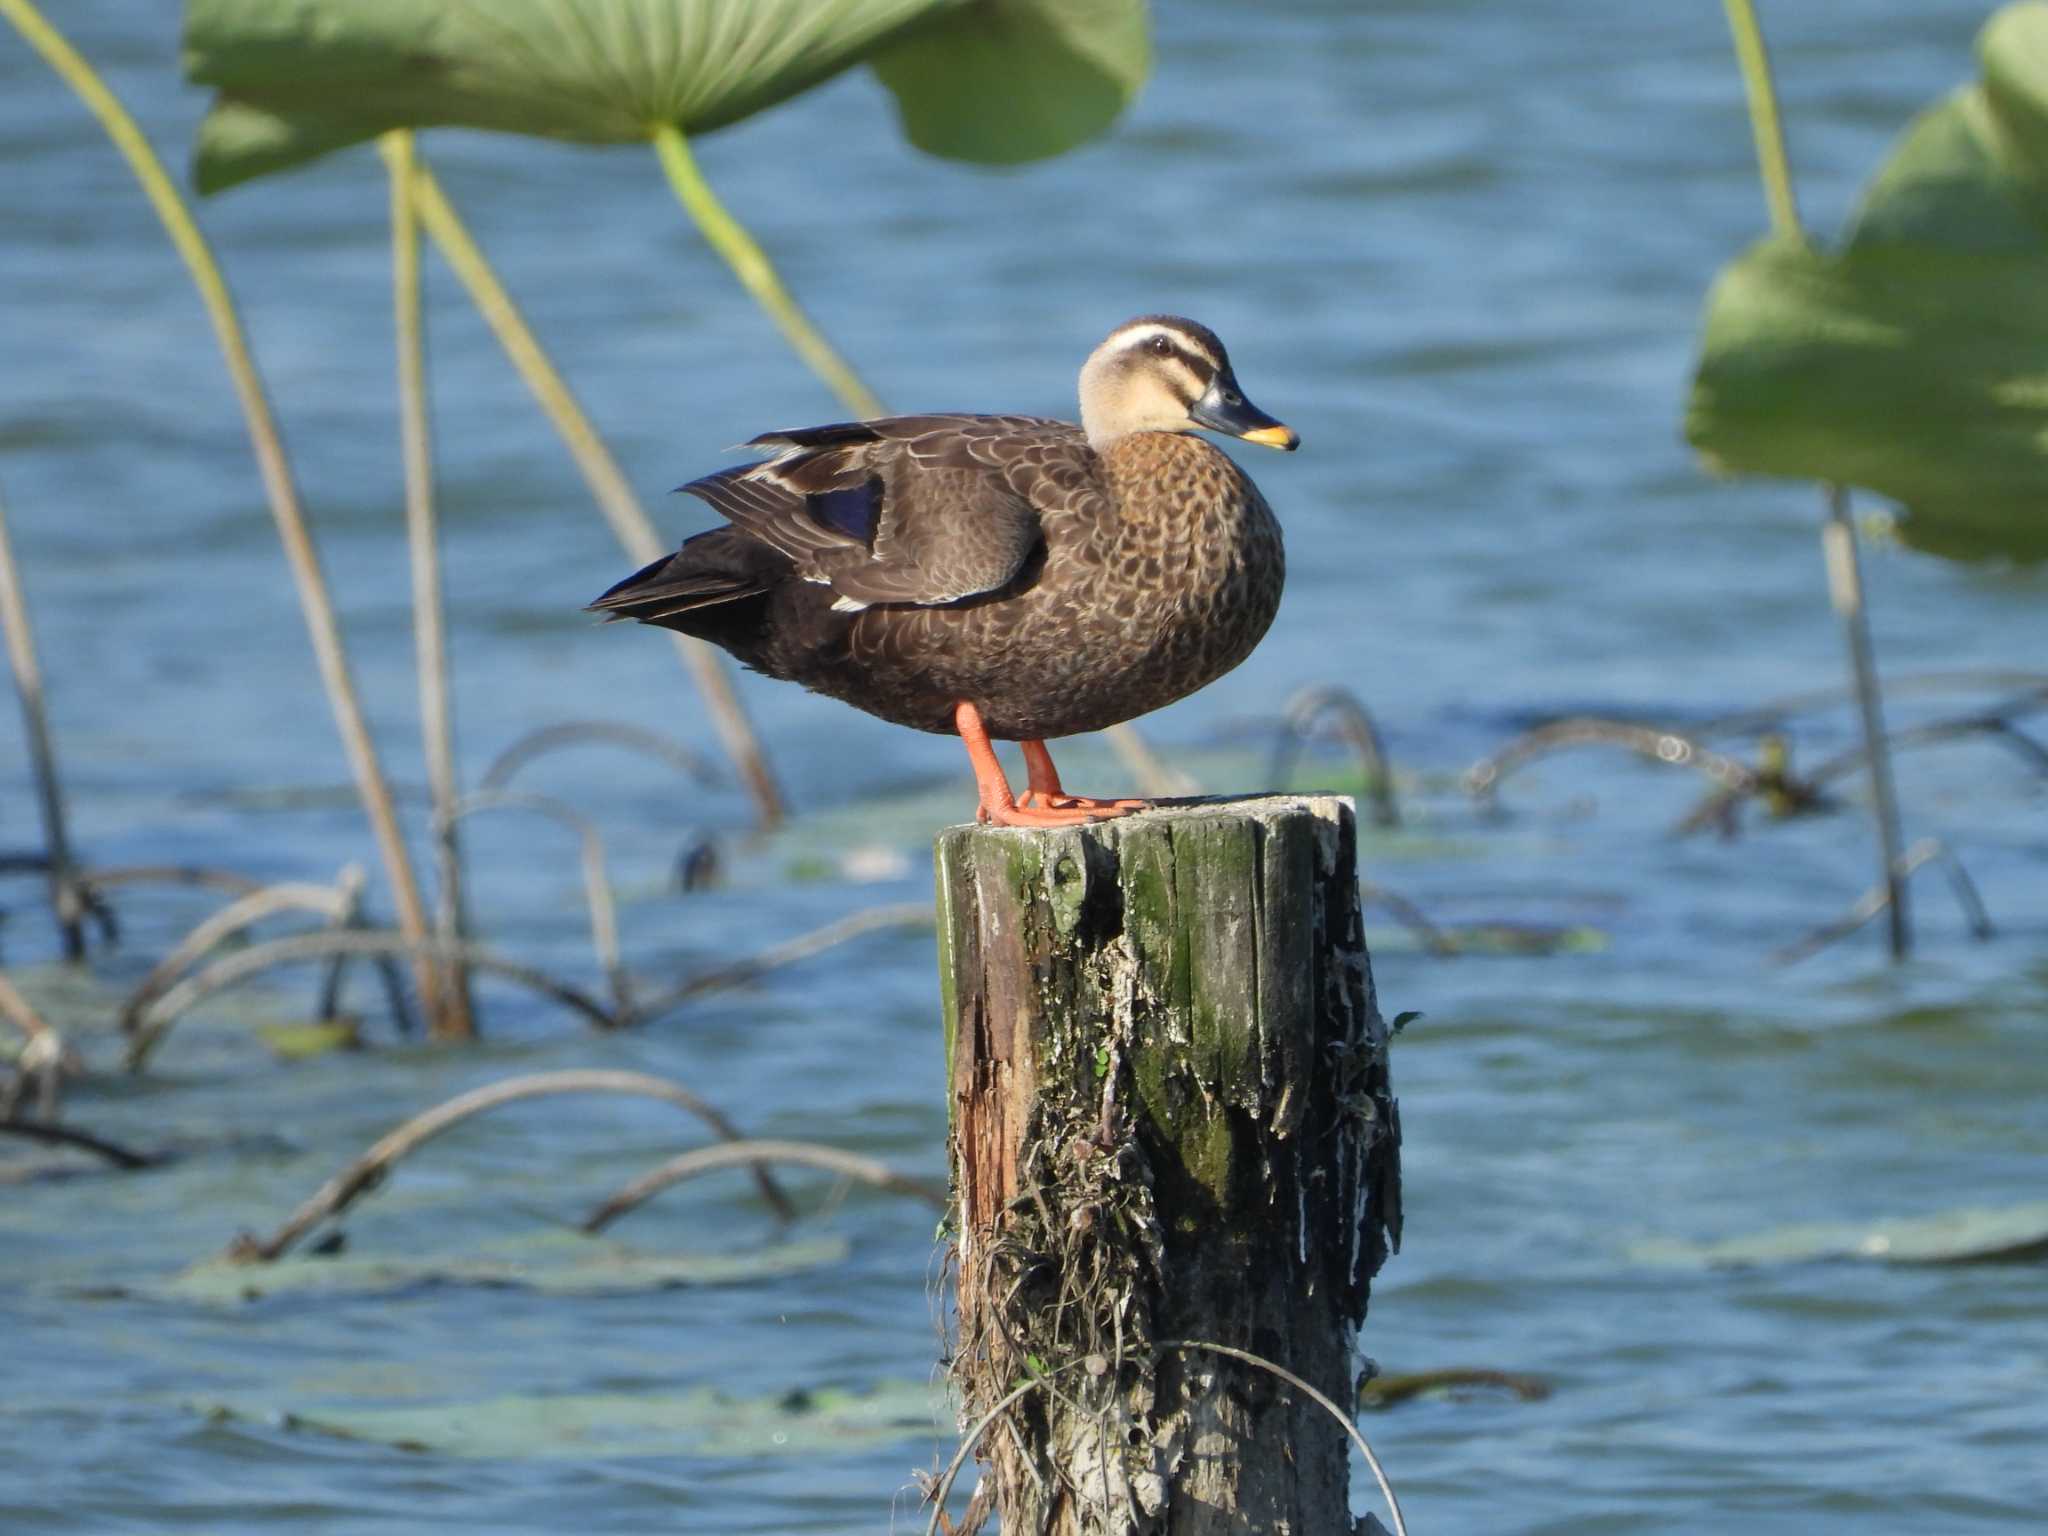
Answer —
1160 373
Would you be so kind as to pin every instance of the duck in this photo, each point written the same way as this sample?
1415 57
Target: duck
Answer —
997 577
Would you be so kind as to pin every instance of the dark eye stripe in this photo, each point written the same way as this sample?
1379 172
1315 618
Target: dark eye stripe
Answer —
1185 348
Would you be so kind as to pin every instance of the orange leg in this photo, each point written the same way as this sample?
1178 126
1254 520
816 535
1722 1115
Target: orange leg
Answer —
1045 788
997 804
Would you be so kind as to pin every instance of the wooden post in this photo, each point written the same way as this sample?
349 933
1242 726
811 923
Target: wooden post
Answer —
1171 1127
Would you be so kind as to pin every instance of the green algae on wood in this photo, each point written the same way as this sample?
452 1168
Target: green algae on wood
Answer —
1171 1120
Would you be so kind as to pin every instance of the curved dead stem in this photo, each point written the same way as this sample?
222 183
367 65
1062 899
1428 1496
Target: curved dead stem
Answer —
702 1160
1878 897
1996 724
1652 742
618 733
1320 1398
905 914
944 1486
367 1171
1360 732
159 1016
237 915
597 886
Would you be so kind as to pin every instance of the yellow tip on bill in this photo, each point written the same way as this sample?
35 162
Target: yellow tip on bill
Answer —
1275 436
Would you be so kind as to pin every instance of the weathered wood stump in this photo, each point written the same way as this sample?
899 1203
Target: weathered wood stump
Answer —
1171 1127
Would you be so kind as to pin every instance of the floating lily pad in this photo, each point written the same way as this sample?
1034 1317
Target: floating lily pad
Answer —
559 1264
1914 360
2006 1235
702 1422
994 80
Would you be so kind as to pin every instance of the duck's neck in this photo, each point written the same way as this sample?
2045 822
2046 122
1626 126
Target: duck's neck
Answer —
1162 466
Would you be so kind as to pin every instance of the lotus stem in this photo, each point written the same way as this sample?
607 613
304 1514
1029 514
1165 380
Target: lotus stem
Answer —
1773 163
629 521
757 274
304 560
702 1160
1838 533
367 1171
423 543
66 898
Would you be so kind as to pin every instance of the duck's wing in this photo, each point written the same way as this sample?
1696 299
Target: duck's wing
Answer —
907 509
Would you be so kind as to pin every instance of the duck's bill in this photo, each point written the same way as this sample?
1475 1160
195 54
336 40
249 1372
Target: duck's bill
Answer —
1224 409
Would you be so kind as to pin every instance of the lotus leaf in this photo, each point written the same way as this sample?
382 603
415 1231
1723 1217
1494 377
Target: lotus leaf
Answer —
1914 360
999 80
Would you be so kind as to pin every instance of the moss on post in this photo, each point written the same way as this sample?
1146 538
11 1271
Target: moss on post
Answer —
1171 1123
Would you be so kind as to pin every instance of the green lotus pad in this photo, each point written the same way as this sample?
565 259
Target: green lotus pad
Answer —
1914 360
2004 1235
562 1264
699 1422
987 80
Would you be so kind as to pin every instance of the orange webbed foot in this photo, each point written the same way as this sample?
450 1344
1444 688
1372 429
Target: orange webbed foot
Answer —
1063 801
1022 815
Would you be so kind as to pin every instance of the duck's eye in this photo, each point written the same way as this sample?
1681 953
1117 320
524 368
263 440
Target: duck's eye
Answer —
1161 347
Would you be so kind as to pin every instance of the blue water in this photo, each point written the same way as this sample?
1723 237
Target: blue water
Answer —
1462 248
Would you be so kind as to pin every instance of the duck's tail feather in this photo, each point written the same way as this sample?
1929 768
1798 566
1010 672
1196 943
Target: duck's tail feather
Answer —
710 571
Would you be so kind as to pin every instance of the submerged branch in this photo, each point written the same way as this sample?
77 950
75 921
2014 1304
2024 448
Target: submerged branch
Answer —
85 1141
